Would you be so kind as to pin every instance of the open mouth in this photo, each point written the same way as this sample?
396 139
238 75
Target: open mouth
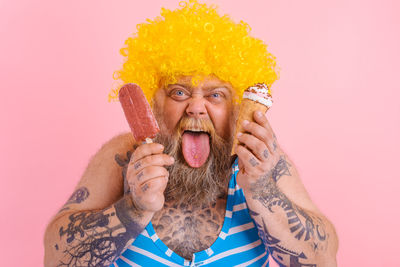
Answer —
195 147
196 132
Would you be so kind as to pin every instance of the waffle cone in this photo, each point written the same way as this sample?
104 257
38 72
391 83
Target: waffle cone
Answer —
246 112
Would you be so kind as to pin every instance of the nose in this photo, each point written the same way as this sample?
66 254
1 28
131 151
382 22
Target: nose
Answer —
196 107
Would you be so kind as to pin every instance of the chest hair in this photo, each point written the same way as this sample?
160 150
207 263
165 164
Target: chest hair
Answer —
186 229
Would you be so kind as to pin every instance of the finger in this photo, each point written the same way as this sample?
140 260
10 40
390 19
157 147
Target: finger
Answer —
249 161
153 202
149 173
261 119
257 147
259 132
146 150
154 185
152 160
151 194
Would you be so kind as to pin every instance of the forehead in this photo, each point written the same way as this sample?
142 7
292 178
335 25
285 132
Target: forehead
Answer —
207 82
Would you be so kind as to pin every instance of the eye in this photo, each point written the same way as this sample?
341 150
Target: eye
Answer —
179 93
216 96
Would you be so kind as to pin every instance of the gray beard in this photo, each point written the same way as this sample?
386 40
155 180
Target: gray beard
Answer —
197 186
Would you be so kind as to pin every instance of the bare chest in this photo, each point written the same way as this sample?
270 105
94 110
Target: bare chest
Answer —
187 230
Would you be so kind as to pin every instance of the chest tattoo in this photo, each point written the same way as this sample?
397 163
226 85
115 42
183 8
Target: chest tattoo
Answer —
186 229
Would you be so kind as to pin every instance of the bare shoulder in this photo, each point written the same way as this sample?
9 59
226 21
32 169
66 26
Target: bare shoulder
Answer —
118 142
102 182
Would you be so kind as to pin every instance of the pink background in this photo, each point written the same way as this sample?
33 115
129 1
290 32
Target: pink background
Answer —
336 112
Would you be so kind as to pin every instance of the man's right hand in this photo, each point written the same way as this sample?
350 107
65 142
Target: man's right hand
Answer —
147 177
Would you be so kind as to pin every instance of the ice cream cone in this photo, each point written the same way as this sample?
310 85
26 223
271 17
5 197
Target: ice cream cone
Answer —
246 112
256 97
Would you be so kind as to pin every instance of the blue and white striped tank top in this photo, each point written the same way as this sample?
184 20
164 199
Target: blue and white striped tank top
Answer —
238 243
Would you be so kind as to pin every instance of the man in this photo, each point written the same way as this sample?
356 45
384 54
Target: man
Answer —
183 200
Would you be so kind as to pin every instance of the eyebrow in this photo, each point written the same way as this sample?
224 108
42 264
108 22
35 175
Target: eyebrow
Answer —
208 88
212 87
180 84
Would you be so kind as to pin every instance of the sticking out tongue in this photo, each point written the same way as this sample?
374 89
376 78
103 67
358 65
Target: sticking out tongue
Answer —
195 148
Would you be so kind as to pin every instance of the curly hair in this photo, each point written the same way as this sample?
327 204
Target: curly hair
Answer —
194 40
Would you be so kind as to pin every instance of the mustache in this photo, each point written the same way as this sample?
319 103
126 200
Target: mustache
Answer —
195 125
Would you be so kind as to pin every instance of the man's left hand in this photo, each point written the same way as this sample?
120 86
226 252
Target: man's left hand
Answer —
258 150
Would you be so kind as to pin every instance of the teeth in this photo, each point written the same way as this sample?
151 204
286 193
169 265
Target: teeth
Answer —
194 130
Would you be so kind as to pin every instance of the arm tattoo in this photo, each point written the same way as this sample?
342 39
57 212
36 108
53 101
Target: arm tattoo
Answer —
281 254
281 169
128 216
302 225
80 195
90 239
96 238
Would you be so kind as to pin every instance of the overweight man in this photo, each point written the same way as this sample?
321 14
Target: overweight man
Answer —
151 204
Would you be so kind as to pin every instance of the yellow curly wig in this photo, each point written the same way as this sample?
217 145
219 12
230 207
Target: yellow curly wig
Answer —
194 40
